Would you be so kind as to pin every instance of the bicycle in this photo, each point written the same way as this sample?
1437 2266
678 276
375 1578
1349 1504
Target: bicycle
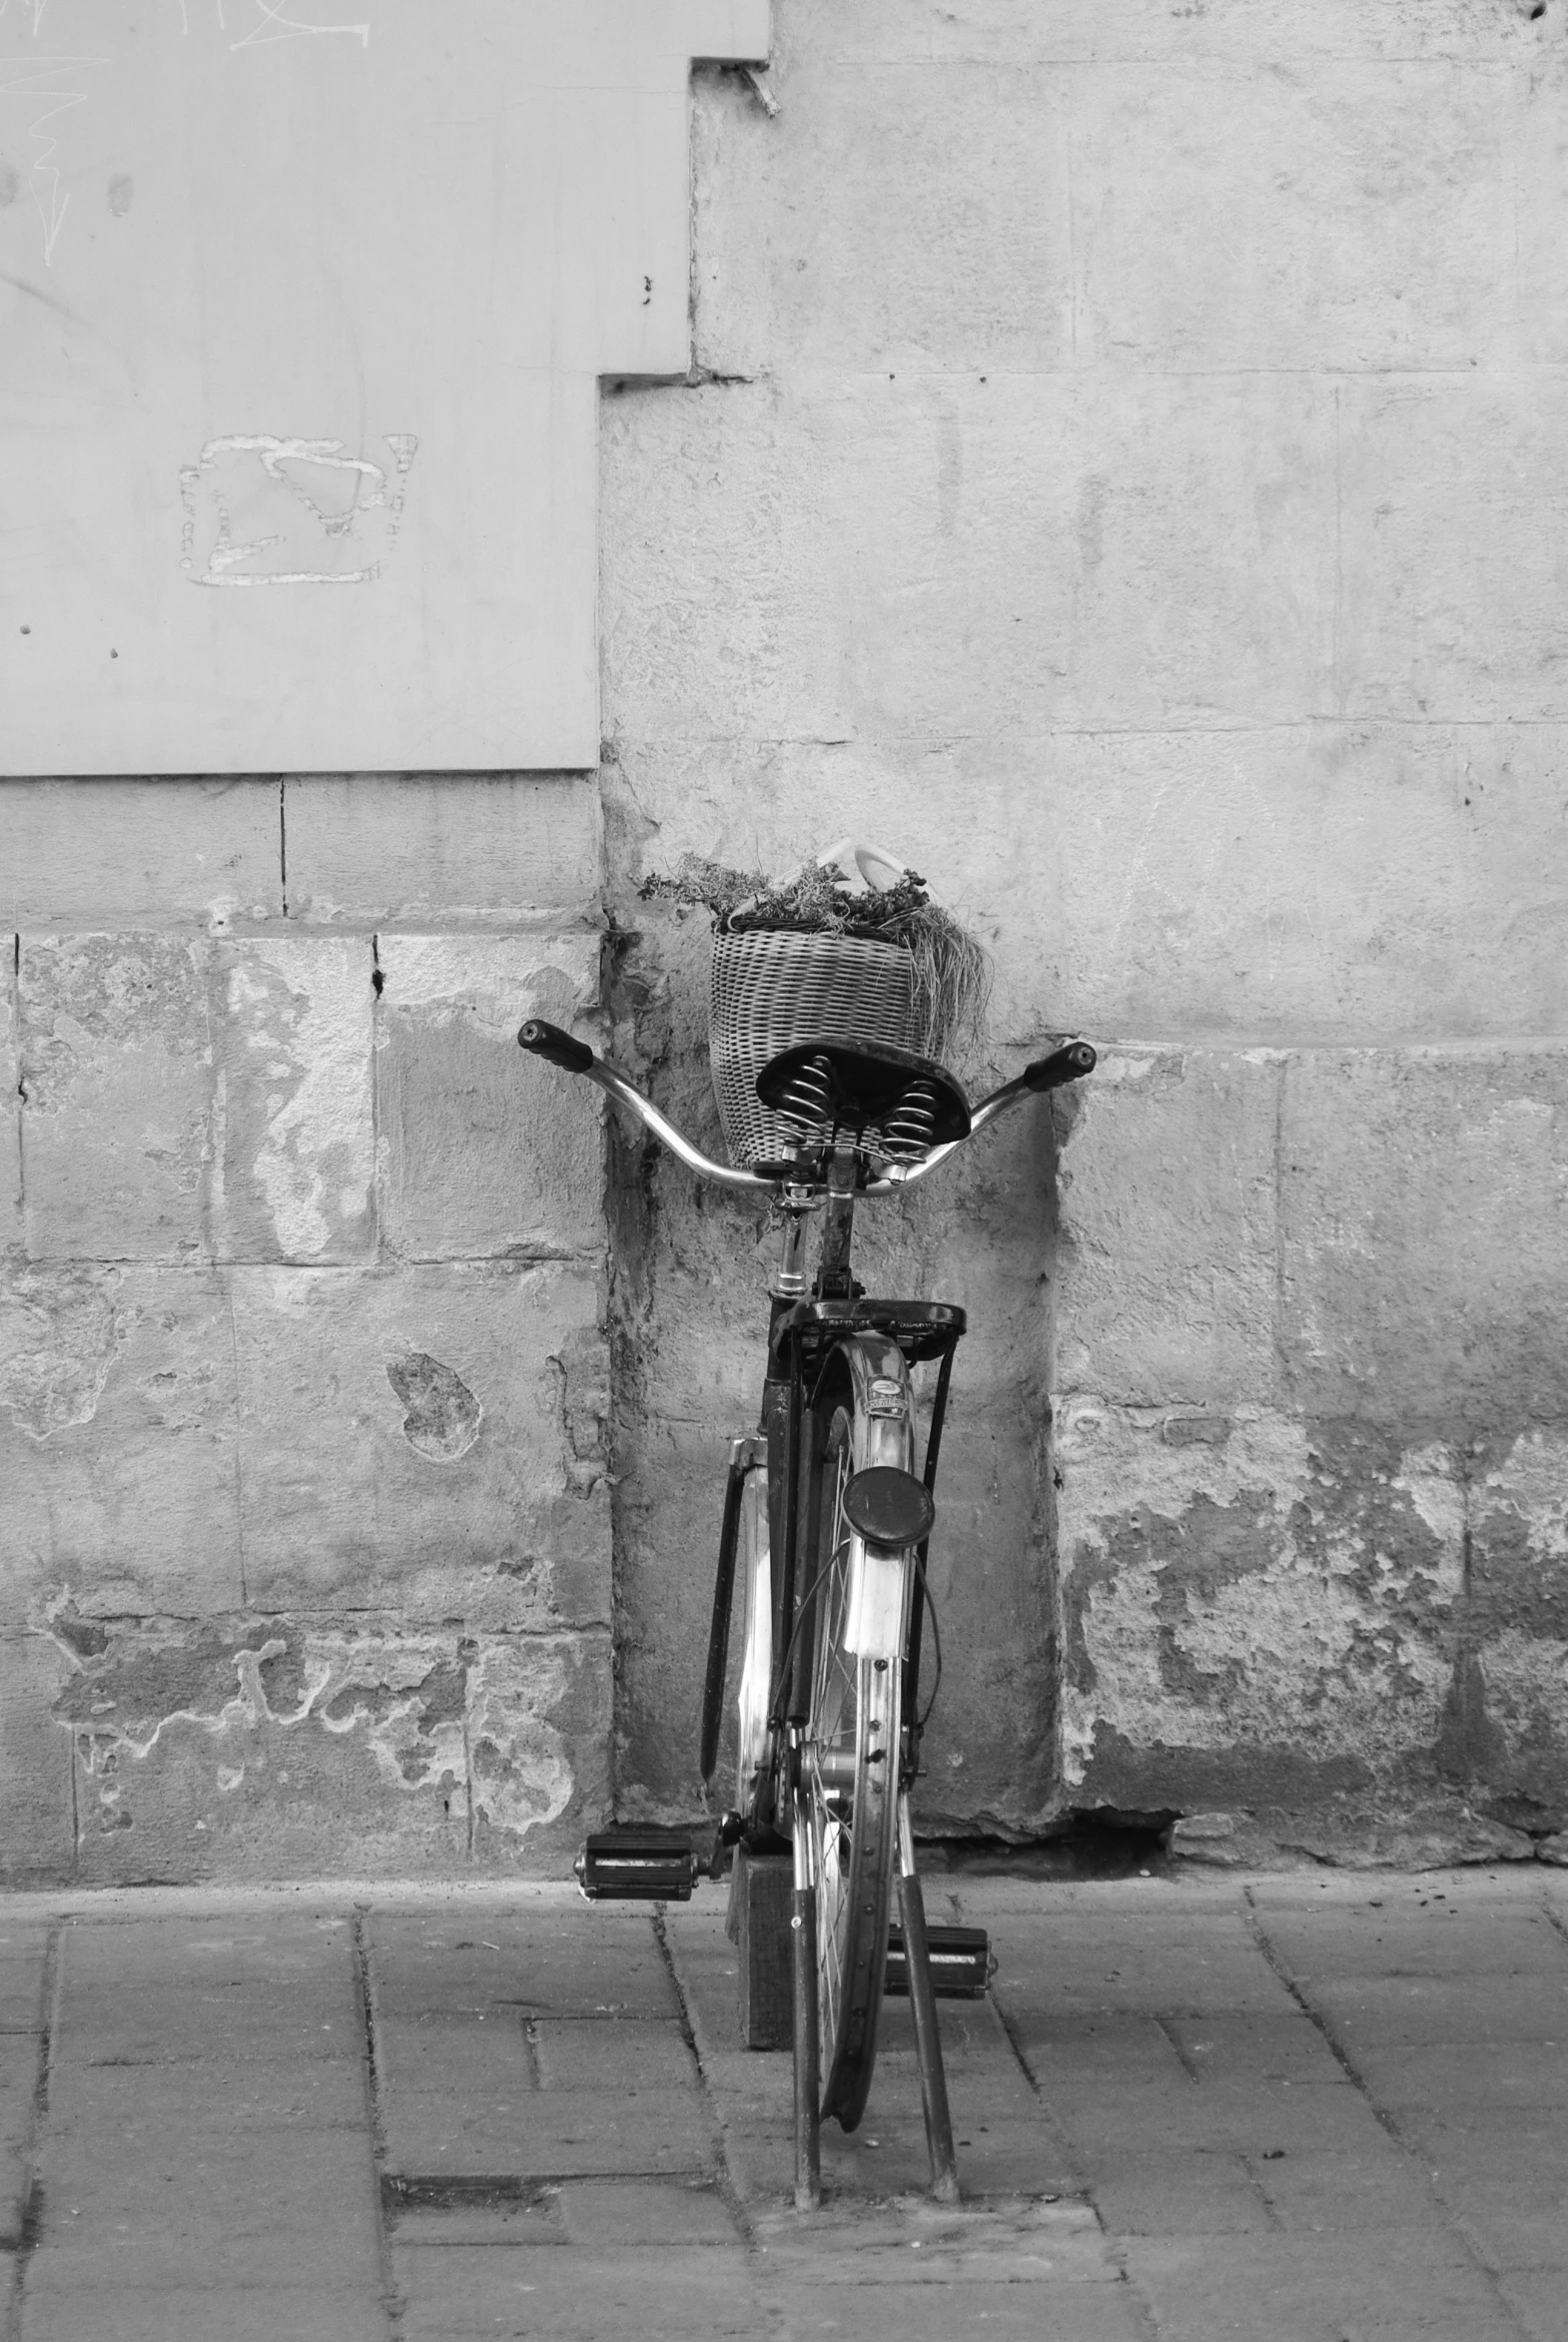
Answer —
829 1526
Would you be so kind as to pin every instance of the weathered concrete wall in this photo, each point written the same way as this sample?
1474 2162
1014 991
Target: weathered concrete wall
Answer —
1125 477
1121 470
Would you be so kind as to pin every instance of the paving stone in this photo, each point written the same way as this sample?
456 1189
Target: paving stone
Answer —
1237 2049
596 2053
23 1951
527 2133
58 2309
887 2156
1474 2076
1290 2287
157 2215
249 1990
1444 1940
474 2050
19 2064
1217 1973
1369 2014
598 2215
1256 2116
208 2096
918 2313
601 1963
1150 2192
1375 2186
677 2292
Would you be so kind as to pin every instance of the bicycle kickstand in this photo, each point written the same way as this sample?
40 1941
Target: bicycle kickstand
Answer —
807 2109
923 2007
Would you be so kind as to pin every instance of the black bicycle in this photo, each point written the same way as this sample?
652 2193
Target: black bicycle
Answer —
827 1522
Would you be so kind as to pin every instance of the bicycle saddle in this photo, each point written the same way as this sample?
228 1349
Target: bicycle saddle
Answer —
907 1103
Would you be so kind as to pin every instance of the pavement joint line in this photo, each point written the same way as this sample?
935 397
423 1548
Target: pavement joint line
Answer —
1554 1918
364 1997
722 2175
1185 2058
1143 2307
1455 2226
38 2115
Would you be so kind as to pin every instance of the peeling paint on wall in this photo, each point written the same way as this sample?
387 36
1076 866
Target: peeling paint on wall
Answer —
443 1418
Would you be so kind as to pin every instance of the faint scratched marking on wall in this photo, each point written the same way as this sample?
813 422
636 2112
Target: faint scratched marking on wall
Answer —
41 88
260 510
273 25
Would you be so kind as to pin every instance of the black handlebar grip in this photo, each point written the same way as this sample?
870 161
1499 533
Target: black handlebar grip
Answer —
1067 1063
554 1046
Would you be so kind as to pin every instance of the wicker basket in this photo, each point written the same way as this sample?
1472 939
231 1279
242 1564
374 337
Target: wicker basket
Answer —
774 988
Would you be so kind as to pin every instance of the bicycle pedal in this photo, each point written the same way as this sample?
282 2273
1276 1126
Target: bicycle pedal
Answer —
637 1865
961 1962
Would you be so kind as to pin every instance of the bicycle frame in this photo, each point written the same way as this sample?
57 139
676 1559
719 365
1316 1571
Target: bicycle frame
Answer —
826 1774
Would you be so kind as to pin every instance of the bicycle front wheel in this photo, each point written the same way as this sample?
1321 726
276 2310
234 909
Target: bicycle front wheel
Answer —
852 1748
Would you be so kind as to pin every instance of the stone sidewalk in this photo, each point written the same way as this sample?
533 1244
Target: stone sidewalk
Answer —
1299 2108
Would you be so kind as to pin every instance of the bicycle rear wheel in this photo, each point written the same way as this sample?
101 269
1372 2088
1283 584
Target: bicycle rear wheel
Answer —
852 1747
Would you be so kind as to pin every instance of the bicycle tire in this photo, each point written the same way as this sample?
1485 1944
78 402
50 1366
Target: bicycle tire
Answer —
853 1738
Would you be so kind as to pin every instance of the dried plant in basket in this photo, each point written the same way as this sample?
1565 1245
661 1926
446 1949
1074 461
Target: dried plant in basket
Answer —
950 972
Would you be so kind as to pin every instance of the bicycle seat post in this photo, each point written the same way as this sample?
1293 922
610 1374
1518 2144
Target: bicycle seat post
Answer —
833 1273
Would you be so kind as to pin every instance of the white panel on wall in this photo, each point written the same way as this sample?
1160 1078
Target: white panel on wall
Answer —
303 305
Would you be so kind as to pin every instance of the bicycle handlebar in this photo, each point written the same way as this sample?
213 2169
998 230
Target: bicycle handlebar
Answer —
1066 1064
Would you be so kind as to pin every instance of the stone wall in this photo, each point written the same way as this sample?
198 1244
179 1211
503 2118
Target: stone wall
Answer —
1121 470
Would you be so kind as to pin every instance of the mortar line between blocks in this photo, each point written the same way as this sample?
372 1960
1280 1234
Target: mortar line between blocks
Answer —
365 1995
1453 2225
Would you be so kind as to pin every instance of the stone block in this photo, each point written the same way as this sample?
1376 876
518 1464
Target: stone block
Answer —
119 855
1508 1713
1080 32
1541 171
849 558
117 1443
1451 596
430 1438
270 1748
689 499
117 1088
1165 1264
1028 552
1328 217
37 1848
485 1152
370 850
11 1109
295 1146
1324 882
1425 1235
1263 1617
907 218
